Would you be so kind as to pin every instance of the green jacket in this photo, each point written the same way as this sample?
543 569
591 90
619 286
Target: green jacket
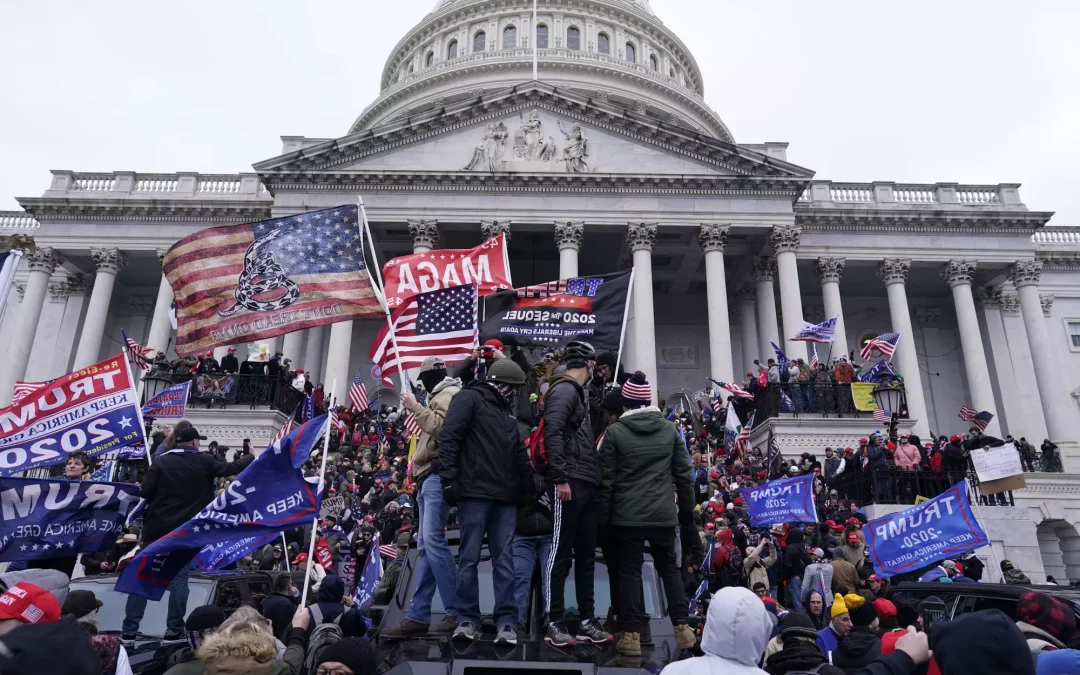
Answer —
643 466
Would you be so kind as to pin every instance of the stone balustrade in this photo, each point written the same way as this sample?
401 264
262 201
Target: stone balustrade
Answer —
1052 235
892 195
17 220
182 185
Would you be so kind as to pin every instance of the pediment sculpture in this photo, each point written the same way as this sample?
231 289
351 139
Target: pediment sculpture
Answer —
533 149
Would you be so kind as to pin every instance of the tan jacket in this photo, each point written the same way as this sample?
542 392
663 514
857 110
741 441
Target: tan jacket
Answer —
754 572
430 421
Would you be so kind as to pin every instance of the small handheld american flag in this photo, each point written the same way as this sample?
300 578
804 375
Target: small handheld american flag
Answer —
982 419
813 355
884 343
139 355
734 389
966 413
882 415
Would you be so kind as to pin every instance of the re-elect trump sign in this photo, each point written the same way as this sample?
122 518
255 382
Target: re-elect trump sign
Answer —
788 500
91 410
939 528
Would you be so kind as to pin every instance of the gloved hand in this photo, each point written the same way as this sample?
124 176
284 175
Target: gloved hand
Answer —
450 492
686 518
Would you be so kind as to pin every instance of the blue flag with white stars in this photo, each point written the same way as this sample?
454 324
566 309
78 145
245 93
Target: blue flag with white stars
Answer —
269 496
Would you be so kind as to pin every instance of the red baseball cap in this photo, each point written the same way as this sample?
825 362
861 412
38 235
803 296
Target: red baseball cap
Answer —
497 344
873 577
301 557
29 603
888 646
852 537
710 526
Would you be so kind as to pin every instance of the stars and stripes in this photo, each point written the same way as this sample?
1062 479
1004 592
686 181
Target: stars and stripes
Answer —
821 332
284 431
440 323
884 343
813 355
137 354
358 394
882 415
982 419
410 420
32 614
967 413
742 440
733 388
388 551
24 389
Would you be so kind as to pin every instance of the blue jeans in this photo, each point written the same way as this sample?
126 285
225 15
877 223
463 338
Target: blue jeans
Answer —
477 517
795 586
435 567
527 551
178 597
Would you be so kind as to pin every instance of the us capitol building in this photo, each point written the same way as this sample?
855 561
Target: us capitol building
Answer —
609 157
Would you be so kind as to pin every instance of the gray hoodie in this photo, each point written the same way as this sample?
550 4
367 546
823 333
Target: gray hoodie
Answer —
736 631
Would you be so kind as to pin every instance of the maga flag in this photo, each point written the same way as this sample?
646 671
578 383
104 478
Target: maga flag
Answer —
487 266
269 496
552 314
243 283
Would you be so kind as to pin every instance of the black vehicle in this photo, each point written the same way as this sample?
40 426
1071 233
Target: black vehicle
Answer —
441 655
963 598
150 654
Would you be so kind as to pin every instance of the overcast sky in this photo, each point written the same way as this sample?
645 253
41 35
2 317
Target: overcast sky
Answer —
974 91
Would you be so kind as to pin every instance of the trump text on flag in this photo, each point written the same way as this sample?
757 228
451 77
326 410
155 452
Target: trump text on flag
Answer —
788 500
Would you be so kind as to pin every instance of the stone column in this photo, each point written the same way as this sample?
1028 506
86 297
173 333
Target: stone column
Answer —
996 345
713 238
764 273
1054 397
641 237
829 271
1030 411
893 272
958 274
493 228
313 353
784 240
78 288
745 298
424 234
108 262
293 347
160 327
337 377
21 341
568 236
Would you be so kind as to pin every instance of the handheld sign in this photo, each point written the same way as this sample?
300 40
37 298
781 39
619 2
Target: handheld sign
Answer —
999 469
934 530
788 500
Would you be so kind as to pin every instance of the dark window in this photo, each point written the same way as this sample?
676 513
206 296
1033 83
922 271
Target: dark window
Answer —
542 36
653 62
509 37
573 38
259 589
631 53
479 42
451 51
430 59
603 45
229 596
672 73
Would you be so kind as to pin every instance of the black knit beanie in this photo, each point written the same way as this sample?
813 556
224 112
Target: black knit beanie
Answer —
356 653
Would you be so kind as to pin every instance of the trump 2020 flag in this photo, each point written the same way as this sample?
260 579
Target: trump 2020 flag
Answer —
269 496
170 403
787 500
245 283
92 410
939 528
52 518
369 579
819 332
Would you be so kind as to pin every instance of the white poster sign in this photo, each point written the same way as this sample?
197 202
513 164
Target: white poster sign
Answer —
997 463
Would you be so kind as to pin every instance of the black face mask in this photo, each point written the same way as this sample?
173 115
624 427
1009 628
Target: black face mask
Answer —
431 379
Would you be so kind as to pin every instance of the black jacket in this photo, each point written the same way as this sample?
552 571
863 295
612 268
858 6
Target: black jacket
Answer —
799 655
279 609
229 364
861 646
178 486
568 434
982 441
955 457
532 521
481 455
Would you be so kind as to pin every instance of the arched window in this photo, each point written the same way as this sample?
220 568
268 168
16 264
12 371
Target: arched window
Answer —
429 60
573 38
603 44
410 69
509 37
479 42
631 53
671 73
653 63
451 50
541 36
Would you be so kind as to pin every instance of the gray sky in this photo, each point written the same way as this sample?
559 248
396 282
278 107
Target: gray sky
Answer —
968 91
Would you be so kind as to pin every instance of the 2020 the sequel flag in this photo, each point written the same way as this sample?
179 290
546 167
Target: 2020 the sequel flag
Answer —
269 496
50 518
552 314
92 410
939 528
487 266
243 283
788 500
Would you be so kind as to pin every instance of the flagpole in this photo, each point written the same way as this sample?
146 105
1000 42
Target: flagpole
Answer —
536 45
366 229
322 488
138 413
285 553
622 331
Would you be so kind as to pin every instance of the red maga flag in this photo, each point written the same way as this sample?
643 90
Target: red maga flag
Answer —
244 283
487 266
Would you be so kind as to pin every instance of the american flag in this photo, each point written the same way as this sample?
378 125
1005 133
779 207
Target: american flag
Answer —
32 614
139 355
982 419
813 355
742 441
716 404
882 415
884 343
388 551
315 264
440 323
734 389
821 332
23 389
967 414
410 420
358 395
284 431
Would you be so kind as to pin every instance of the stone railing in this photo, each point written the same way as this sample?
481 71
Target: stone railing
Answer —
183 185
884 194
17 220
1061 234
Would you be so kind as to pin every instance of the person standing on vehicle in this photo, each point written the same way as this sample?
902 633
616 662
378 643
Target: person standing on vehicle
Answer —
485 472
179 484
435 566
574 476
647 490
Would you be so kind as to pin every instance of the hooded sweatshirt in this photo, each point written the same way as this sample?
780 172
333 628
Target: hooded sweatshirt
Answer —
736 630
430 421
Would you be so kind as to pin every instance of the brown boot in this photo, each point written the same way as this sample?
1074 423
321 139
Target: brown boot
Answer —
445 627
630 644
406 629
684 637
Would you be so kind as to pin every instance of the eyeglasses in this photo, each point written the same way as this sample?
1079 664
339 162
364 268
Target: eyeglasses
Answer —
333 671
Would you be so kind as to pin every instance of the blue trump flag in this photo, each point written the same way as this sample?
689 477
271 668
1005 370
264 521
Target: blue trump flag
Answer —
704 585
50 518
874 374
939 528
821 332
170 403
782 359
787 500
269 496
369 579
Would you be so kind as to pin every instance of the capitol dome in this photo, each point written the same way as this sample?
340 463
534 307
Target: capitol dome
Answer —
616 51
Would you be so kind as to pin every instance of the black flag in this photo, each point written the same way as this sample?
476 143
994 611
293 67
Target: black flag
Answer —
552 314
774 461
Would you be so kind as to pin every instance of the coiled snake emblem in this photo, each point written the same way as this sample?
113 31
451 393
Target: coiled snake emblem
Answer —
262 274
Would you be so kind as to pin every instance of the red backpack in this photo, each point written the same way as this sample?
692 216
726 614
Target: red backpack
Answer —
537 449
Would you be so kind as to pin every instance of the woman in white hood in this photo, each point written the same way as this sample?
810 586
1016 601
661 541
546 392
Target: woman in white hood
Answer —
736 630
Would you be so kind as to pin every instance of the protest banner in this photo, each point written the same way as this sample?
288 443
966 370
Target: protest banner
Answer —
332 505
50 518
787 500
938 528
487 266
214 386
170 403
999 469
91 410
552 314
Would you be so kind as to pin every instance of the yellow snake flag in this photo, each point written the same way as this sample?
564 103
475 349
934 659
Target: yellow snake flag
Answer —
862 394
